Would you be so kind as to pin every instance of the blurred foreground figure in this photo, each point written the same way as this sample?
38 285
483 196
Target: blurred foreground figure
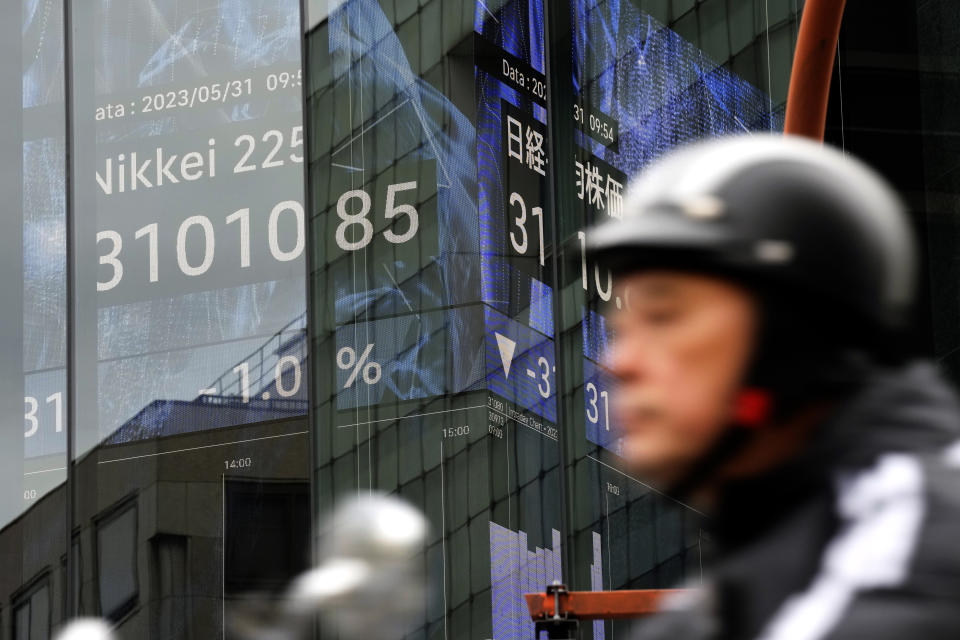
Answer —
86 629
763 375
369 583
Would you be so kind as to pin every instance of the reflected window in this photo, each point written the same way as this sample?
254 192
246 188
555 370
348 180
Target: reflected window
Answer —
117 562
31 613
170 586
77 578
267 534
74 591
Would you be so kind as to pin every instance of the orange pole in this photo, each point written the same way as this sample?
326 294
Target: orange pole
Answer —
812 68
597 605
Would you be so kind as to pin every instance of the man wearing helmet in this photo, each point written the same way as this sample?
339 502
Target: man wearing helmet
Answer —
763 373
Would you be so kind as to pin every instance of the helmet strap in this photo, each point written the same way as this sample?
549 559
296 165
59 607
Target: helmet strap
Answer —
729 444
752 410
752 407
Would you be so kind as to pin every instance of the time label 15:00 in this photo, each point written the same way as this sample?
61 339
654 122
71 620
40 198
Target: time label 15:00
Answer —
198 234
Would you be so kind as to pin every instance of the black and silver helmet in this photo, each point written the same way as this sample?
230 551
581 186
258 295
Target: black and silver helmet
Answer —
786 215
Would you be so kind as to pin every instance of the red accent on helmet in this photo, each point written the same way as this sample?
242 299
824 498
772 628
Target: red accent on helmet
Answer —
752 407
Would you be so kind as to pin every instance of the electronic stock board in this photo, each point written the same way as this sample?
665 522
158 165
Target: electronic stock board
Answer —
458 328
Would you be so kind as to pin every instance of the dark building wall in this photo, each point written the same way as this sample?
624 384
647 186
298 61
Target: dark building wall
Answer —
150 520
893 98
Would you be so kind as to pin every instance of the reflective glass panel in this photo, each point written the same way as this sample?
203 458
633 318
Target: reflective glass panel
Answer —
189 310
646 77
432 285
455 151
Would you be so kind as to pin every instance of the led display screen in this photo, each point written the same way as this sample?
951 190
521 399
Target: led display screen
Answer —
458 328
200 235
195 181
639 90
184 187
42 227
434 289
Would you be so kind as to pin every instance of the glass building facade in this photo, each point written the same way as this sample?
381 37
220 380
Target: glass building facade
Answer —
154 316
262 256
456 149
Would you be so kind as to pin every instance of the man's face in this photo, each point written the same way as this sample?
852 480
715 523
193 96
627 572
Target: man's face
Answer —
682 345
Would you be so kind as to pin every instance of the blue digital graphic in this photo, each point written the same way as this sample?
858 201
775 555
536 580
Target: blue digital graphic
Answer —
516 570
409 357
516 29
44 231
521 365
596 334
598 383
417 352
661 89
598 386
153 75
596 581
369 61
512 166
423 353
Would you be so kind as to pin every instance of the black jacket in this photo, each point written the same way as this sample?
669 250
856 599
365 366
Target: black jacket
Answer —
857 538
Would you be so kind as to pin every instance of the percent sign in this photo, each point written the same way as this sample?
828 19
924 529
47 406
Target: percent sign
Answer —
347 361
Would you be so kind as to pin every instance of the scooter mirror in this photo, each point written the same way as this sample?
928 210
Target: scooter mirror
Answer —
86 629
371 580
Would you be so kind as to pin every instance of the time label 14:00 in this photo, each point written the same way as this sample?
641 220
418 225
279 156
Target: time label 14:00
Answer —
200 229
